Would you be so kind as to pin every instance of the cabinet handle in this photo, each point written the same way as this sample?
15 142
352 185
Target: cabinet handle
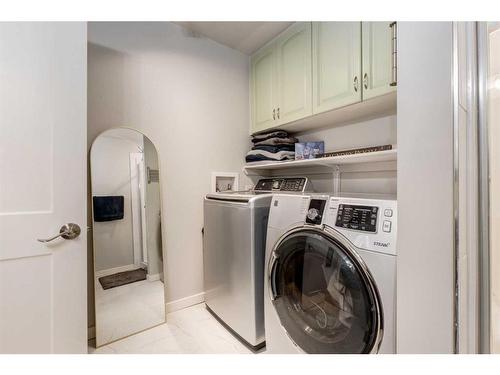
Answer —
356 84
394 53
365 81
278 113
274 114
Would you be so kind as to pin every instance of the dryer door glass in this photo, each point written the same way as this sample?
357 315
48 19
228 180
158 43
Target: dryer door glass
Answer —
324 296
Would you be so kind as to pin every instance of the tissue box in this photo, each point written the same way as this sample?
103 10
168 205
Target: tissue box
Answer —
309 150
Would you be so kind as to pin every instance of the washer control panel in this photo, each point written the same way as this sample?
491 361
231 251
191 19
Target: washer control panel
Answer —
363 218
369 223
296 184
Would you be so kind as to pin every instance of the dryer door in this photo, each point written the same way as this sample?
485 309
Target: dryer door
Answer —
323 294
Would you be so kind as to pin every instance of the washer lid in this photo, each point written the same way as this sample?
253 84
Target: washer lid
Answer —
242 196
324 295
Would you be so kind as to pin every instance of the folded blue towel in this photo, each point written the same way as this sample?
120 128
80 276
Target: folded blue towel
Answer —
277 141
270 148
260 155
273 134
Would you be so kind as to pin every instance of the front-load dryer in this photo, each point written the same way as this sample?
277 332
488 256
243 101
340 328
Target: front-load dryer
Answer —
330 280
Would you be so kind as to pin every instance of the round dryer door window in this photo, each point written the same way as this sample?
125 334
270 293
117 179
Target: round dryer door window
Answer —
323 294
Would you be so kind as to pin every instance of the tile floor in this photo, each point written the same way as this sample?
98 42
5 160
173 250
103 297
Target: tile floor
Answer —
192 330
130 308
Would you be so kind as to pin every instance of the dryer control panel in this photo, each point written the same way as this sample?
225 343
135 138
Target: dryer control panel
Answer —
296 184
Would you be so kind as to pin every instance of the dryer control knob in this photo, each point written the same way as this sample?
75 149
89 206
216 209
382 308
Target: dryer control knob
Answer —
312 214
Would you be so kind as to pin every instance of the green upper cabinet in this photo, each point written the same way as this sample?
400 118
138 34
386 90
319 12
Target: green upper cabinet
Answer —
281 79
264 90
336 64
317 68
293 53
377 59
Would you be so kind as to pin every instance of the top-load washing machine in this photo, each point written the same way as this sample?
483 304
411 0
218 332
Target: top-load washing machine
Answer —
235 226
330 282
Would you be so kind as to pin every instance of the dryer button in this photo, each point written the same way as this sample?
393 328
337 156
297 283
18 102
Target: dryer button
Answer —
387 226
388 212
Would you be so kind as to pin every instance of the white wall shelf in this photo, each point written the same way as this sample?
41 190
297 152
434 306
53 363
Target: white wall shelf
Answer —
333 162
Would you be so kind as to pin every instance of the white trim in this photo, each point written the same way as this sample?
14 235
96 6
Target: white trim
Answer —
111 271
184 302
154 277
466 198
484 191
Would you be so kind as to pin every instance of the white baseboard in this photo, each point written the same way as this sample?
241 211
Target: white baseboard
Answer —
153 277
111 271
185 302
91 332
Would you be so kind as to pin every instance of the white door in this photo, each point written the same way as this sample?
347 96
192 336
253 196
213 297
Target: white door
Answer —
43 163
377 59
336 64
294 73
263 89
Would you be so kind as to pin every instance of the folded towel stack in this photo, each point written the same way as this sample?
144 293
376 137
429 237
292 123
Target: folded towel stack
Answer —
275 145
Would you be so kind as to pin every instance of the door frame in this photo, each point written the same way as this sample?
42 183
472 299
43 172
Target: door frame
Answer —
484 190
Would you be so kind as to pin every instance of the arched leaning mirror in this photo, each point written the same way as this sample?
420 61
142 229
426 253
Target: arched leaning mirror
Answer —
128 255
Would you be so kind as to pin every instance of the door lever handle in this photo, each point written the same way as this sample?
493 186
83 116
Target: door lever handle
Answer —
68 232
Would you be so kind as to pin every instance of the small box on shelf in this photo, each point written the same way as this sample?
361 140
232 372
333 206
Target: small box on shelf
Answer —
309 150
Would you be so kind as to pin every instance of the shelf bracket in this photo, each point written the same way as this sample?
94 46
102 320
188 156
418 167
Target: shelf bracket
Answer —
336 180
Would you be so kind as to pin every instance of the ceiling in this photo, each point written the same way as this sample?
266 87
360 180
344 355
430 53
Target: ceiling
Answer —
246 37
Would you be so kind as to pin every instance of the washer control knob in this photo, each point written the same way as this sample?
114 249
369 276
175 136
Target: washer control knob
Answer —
312 214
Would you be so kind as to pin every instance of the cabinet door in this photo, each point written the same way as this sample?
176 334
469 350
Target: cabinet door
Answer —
336 64
293 53
377 59
263 82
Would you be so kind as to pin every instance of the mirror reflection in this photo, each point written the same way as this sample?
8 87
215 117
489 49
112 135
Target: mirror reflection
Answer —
128 256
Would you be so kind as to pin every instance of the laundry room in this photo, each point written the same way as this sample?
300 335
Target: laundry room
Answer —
336 141
134 65
248 187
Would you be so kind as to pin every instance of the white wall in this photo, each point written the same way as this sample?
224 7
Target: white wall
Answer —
110 175
374 132
190 96
425 188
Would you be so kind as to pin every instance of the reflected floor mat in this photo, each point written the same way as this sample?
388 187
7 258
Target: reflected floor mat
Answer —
122 278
